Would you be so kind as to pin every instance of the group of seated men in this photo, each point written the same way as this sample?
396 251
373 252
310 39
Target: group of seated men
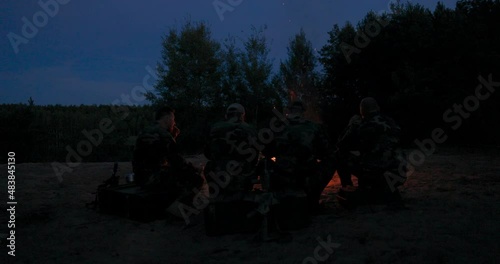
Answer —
293 154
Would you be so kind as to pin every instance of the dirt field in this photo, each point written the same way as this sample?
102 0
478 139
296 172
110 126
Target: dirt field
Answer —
453 216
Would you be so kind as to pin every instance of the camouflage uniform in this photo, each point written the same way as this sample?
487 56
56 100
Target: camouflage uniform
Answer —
159 167
303 160
368 148
230 150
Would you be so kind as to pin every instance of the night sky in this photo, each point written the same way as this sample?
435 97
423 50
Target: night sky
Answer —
92 52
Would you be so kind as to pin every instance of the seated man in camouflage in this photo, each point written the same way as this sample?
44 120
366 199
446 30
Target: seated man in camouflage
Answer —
232 155
369 148
302 157
157 163
230 174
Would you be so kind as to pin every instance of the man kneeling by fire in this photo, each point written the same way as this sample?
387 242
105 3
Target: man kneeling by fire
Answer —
369 149
231 173
302 160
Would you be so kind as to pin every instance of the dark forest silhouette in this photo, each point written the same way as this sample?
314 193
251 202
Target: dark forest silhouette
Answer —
416 62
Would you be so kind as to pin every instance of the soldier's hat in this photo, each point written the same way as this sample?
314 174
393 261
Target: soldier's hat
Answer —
297 106
235 108
368 105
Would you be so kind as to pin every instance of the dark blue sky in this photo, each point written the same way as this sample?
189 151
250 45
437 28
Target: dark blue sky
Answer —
92 52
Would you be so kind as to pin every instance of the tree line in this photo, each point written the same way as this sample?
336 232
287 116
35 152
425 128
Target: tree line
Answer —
419 64
423 66
48 133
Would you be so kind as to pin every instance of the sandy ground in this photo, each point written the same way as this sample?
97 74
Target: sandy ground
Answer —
453 216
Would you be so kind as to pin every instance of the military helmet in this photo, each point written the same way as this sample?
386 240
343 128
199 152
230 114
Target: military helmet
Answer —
235 108
368 105
297 106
